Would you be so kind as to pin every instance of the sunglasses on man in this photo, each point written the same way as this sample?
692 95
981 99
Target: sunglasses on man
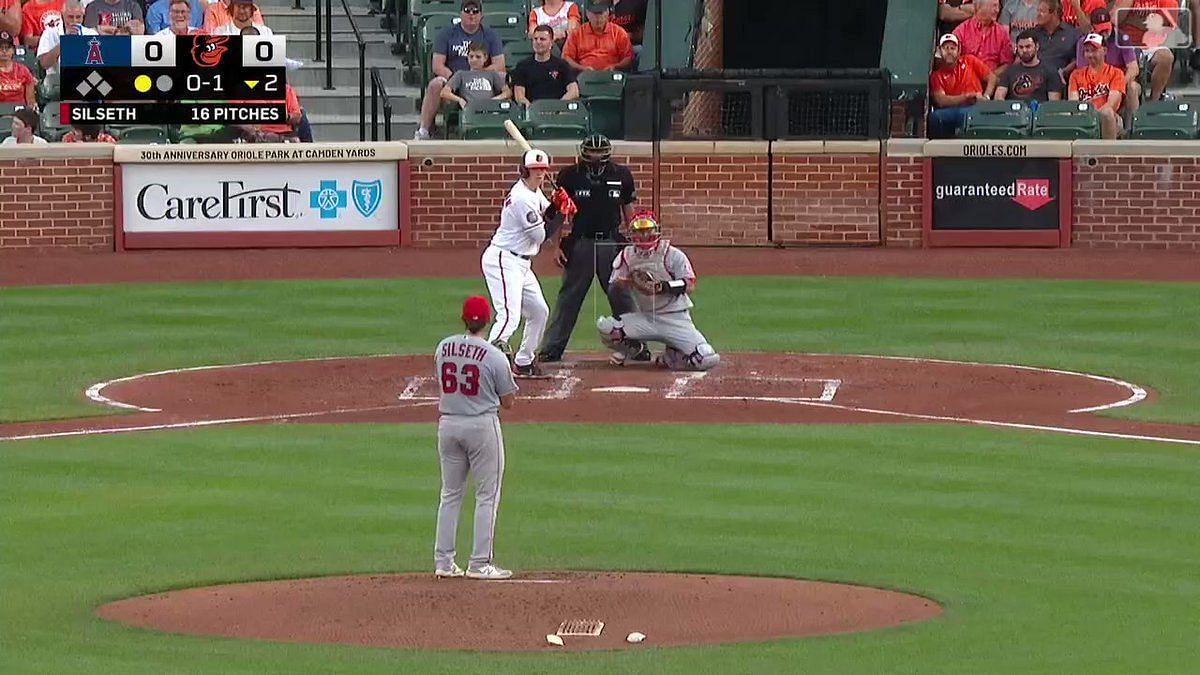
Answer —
472 10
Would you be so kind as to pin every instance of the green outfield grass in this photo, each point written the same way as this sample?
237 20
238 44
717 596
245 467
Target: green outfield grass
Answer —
1051 554
56 341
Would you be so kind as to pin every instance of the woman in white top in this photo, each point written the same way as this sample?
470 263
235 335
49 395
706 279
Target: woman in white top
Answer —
561 15
24 126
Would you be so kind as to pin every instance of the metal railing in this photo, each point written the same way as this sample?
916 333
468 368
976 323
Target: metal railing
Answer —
379 91
362 58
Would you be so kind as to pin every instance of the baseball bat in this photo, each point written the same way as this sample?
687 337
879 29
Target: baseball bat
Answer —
517 136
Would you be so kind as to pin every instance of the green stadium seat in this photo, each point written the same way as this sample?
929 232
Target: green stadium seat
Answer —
516 51
7 109
50 128
1066 120
142 135
521 7
604 92
48 89
508 25
29 58
554 118
998 119
1166 120
5 133
485 119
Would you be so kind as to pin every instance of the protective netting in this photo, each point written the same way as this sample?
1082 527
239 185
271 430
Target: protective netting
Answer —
829 113
704 114
700 114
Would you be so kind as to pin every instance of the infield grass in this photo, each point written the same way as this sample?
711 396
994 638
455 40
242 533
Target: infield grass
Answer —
56 341
1051 554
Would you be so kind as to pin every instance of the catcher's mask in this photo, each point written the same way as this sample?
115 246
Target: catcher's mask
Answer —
534 159
644 231
594 153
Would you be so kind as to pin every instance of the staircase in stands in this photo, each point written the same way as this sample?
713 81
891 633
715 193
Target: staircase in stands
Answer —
334 113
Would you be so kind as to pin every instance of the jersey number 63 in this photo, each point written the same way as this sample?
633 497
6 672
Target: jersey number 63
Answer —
467 386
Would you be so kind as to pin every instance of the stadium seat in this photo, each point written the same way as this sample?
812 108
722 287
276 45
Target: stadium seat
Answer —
554 118
1166 120
1066 120
507 6
428 27
485 119
48 89
50 127
998 119
508 25
142 135
604 92
516 51
29 58
8 109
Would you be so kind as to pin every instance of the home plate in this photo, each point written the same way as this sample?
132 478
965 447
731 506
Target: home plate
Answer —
621 389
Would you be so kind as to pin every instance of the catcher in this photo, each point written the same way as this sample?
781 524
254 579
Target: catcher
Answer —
661 281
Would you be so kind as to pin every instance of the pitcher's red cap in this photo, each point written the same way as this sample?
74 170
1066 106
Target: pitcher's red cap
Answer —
476 308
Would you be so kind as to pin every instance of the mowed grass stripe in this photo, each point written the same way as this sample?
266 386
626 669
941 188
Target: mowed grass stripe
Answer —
58 340
85 520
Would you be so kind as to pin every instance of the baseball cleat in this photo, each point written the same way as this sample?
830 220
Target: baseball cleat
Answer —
489 573
642 354
549 357
453 572
529 371
617 359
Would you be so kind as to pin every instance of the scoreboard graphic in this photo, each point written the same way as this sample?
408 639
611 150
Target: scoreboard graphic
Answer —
173 79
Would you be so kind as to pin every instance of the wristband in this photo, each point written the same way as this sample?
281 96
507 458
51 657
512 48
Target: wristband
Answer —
673 287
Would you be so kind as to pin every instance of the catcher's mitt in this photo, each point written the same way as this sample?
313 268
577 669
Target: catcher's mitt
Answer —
644 282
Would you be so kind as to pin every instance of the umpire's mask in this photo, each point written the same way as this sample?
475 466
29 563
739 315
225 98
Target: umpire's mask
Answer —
594 153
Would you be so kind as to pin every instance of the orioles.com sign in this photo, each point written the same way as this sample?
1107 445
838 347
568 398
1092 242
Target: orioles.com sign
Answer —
995 194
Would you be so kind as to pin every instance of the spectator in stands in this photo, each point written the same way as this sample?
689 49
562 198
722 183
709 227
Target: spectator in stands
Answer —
953 12
179 19
478 83
217 14
17 84
72 24
1132 31
284 132
108 16
1076 15
10 16
241 16
1056 40
954 86
1028 79
1100 84
158 17
543 75
24 128
631 15
982 37
1124 59
36 17
1019 16
561 15
87 133
600 44
450 56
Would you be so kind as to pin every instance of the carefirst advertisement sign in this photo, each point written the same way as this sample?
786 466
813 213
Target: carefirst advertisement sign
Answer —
287 195
995 194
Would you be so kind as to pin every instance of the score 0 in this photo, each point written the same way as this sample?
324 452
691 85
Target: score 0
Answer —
263 51
152 51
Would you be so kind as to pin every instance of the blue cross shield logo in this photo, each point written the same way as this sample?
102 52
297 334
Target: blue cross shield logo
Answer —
367 196
327 199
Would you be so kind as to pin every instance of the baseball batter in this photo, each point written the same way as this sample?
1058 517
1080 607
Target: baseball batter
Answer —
661 279
476 382
527 220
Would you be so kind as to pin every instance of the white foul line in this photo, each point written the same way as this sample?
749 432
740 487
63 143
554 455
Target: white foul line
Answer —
1007 425
414 384
208 423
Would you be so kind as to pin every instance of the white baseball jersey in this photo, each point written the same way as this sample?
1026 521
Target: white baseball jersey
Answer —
522 222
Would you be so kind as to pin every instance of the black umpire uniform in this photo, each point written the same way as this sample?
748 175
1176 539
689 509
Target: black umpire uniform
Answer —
603 190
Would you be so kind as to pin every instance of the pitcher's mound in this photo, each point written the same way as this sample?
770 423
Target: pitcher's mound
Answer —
418 611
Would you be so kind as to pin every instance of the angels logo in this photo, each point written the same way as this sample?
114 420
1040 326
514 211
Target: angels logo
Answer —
207 51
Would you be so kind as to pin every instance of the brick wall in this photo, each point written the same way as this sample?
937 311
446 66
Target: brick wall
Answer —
56 203
902 201
1137 202
713 199
825 199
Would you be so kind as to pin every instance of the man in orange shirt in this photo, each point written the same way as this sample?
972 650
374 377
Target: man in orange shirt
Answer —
1100 84
599 44
1132 19
954 86
219 13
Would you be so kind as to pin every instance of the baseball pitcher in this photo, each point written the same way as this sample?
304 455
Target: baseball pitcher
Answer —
526 221
661 281
476 381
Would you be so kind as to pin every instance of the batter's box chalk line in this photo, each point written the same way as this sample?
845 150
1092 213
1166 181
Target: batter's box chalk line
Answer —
682 387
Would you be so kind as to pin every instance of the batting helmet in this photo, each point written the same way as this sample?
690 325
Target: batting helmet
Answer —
595 152
534 159
644 231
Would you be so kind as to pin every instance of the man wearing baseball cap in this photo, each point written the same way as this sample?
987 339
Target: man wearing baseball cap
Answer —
475 383
450 48
599 44
1124 59
954 86
1100 84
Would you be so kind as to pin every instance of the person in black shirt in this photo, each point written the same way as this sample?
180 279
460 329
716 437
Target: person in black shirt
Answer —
543 75
1028 79
604 192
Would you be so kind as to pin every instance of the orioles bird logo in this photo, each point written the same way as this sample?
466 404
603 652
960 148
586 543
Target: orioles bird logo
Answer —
207 50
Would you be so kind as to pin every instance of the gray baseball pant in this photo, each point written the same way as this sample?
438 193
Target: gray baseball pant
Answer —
469 444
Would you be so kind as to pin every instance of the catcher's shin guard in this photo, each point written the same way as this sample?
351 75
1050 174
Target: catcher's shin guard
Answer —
612 334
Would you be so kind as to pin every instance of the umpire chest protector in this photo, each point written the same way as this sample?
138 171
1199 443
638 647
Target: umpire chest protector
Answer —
599 197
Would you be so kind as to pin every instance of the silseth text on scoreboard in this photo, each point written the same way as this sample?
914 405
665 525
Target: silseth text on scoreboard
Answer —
173 79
